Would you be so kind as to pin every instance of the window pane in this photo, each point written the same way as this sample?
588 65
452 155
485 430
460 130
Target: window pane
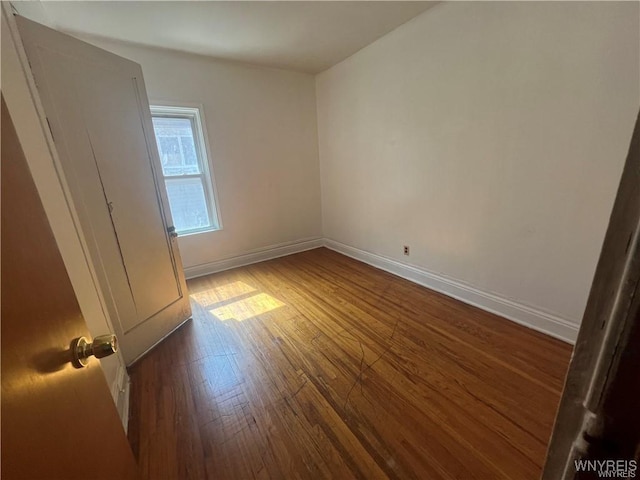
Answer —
176 145
188 204
189 151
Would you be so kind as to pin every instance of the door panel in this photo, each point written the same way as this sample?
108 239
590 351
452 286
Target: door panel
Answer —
97 108
58 422
114 126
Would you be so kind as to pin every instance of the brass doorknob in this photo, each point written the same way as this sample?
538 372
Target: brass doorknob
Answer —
102 346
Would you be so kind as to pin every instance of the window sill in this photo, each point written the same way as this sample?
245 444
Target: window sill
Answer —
197 232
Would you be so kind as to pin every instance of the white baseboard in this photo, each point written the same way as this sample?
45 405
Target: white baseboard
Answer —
254 256
549 324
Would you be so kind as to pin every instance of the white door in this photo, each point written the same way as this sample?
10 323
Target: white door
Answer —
96 105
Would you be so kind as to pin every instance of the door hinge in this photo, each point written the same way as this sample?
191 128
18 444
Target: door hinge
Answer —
586 436
591 431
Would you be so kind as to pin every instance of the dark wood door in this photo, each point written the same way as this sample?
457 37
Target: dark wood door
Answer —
58 422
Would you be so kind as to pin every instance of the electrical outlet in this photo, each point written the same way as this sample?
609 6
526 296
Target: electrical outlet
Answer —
406 249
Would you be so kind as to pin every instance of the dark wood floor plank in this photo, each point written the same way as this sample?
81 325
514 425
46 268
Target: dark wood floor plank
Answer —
318 366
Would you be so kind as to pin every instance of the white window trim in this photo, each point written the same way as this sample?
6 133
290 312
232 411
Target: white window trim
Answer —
196 110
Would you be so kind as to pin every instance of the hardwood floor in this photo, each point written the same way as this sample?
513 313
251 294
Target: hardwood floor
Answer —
318 366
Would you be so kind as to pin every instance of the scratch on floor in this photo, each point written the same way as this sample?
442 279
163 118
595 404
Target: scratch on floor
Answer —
363 370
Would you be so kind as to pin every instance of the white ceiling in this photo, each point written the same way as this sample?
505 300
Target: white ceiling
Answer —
308 36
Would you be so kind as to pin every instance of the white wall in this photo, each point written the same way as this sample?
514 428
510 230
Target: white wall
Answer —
262 132
490 137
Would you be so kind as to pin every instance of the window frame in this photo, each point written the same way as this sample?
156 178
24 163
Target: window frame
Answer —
195 114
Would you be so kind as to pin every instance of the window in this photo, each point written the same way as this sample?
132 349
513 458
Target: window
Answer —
185 167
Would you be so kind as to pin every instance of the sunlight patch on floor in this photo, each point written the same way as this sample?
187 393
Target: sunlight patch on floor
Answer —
247 307
222 293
